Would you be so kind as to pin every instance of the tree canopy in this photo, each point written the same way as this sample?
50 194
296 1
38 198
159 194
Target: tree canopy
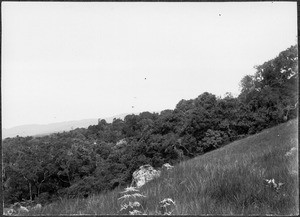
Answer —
104 156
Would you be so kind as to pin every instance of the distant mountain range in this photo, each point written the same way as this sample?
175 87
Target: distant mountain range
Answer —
44 129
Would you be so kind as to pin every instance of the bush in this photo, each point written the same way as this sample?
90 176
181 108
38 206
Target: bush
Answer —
214 139
43 198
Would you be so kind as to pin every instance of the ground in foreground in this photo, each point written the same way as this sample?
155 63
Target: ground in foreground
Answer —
256 175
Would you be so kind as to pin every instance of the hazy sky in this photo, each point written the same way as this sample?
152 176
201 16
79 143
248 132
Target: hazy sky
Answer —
72 61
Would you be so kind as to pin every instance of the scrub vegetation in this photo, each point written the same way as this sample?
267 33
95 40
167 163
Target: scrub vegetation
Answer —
228 159
231 180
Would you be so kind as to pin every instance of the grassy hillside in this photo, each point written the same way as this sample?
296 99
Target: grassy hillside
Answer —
230 180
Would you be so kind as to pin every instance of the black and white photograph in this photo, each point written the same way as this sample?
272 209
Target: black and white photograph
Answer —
149 108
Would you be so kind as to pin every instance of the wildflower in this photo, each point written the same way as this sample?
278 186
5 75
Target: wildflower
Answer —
167 202
294 172
290 152
137 195
135 212
273 184
165 206
123 207
129 189
127 196
129 204
280 184
135 204
168 213
269 181
168 166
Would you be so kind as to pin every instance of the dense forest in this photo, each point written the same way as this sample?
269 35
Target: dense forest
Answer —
88 161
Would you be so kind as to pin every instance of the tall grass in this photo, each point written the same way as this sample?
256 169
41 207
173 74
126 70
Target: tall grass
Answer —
230 180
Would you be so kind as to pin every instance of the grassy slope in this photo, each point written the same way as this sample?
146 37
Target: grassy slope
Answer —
230 180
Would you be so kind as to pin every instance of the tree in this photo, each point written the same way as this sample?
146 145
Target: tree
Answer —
272 91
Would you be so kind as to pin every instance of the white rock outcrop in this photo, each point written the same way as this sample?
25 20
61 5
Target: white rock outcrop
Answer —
17 208
8 211
22 209
143 175
37 207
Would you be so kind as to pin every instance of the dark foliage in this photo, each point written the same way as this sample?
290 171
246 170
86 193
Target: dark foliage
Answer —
104 156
